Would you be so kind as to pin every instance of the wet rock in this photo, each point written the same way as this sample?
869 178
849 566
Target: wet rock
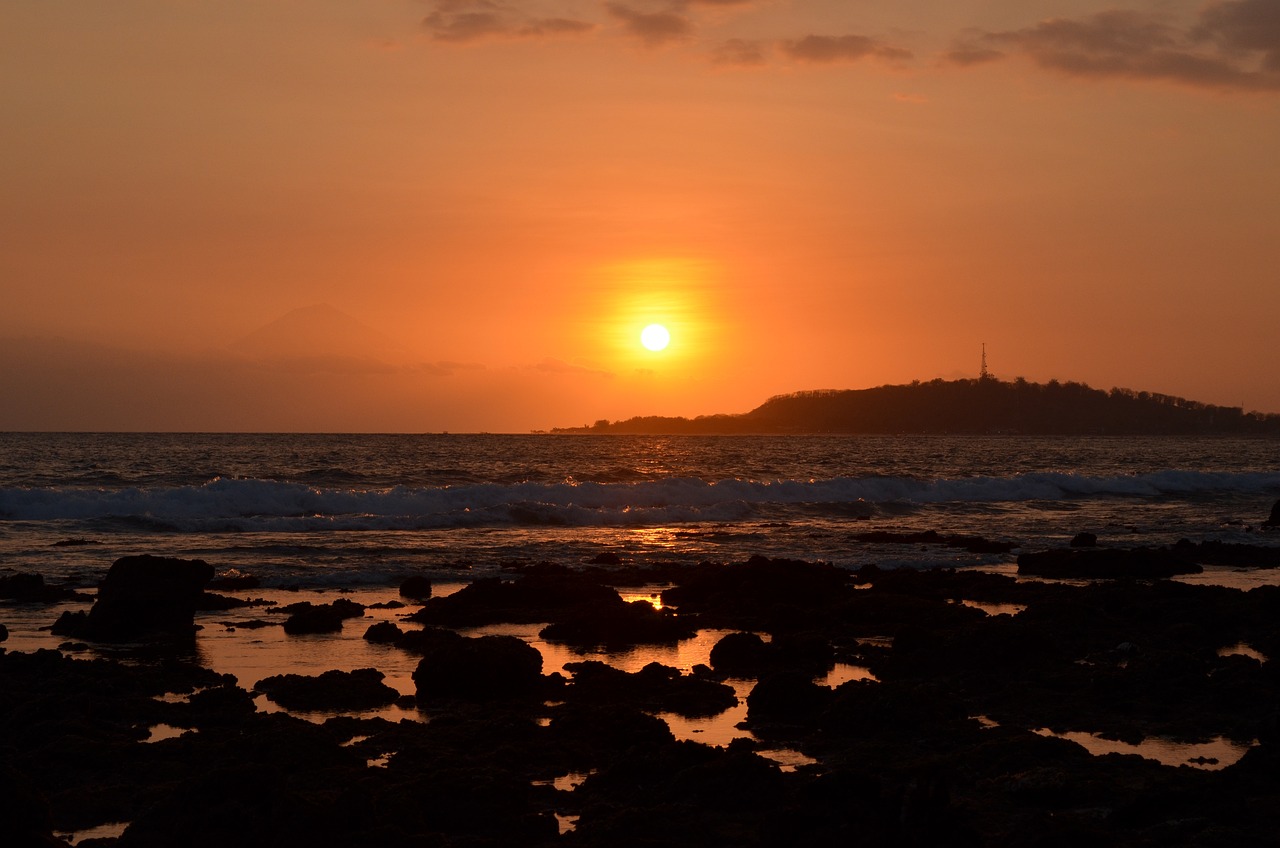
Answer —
761 593
480 669
361 689
212 602
606 558
1106 563
383 631
616 624
4 633
655 687
416 587
589 734
1274 519
24 812
788 697
1213 552
534 597
147 595
75 543
30 588
307 617
747 655
1084 540
741 655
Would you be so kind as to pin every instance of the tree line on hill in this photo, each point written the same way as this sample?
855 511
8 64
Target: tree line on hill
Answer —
983 405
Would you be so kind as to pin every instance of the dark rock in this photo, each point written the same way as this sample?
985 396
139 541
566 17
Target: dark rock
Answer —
212 602
147 595
1213 552
306 617
606 558
314 618
761 593
617 624
4 633
30 588
361 689
416 587
655 687
341 607
741 655
535 597
24 813
383 631
589 732
1106 563
787 697
747 655
1274 519
484 668
388 605
75 543
1084 540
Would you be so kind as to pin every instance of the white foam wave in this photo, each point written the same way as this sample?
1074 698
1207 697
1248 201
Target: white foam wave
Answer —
248 504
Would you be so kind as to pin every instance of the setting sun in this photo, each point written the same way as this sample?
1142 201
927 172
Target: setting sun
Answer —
655 337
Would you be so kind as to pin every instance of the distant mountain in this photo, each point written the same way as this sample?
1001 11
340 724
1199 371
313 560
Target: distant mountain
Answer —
983 405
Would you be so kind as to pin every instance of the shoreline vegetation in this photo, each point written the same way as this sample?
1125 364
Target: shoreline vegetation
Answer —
975 406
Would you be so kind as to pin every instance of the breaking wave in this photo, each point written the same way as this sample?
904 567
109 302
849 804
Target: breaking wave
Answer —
250 504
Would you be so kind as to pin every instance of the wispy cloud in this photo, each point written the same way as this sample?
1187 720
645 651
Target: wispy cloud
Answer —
841 48
1233 45
466 21
653 28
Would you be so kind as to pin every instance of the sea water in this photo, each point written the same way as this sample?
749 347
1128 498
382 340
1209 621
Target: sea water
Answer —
327 510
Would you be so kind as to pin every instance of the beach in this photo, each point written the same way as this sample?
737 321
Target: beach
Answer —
947 685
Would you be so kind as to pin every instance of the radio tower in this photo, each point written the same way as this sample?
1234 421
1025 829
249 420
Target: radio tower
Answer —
984 374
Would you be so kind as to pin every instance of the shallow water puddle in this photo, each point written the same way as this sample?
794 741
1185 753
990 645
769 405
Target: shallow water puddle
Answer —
788 759
380 762
991 608
567 823
651 595
160 732
566 782
844 672
1217 753
110 830
1242 649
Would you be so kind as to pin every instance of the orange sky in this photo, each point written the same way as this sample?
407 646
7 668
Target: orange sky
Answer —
477 205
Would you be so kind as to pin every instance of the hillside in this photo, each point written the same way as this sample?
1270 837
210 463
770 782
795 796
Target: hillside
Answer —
983 405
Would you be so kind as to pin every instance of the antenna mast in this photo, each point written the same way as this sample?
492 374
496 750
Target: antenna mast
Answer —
984 374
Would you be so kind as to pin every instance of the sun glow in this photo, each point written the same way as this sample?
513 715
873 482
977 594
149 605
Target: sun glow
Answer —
655 337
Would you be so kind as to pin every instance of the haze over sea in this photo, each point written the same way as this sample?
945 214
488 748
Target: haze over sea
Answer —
316 510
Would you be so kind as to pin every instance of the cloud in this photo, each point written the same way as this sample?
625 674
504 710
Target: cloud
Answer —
466 21
653 28
824 49
1234 45
740 53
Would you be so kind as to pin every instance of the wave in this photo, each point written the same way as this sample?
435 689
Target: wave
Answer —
250 504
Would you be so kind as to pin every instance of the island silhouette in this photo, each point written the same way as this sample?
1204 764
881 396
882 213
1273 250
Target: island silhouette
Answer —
984 405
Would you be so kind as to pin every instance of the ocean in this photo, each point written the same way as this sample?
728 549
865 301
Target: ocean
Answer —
328 510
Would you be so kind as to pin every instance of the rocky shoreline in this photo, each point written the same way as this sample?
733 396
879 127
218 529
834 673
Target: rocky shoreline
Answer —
948 741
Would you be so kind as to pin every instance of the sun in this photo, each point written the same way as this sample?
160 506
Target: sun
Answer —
655 337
